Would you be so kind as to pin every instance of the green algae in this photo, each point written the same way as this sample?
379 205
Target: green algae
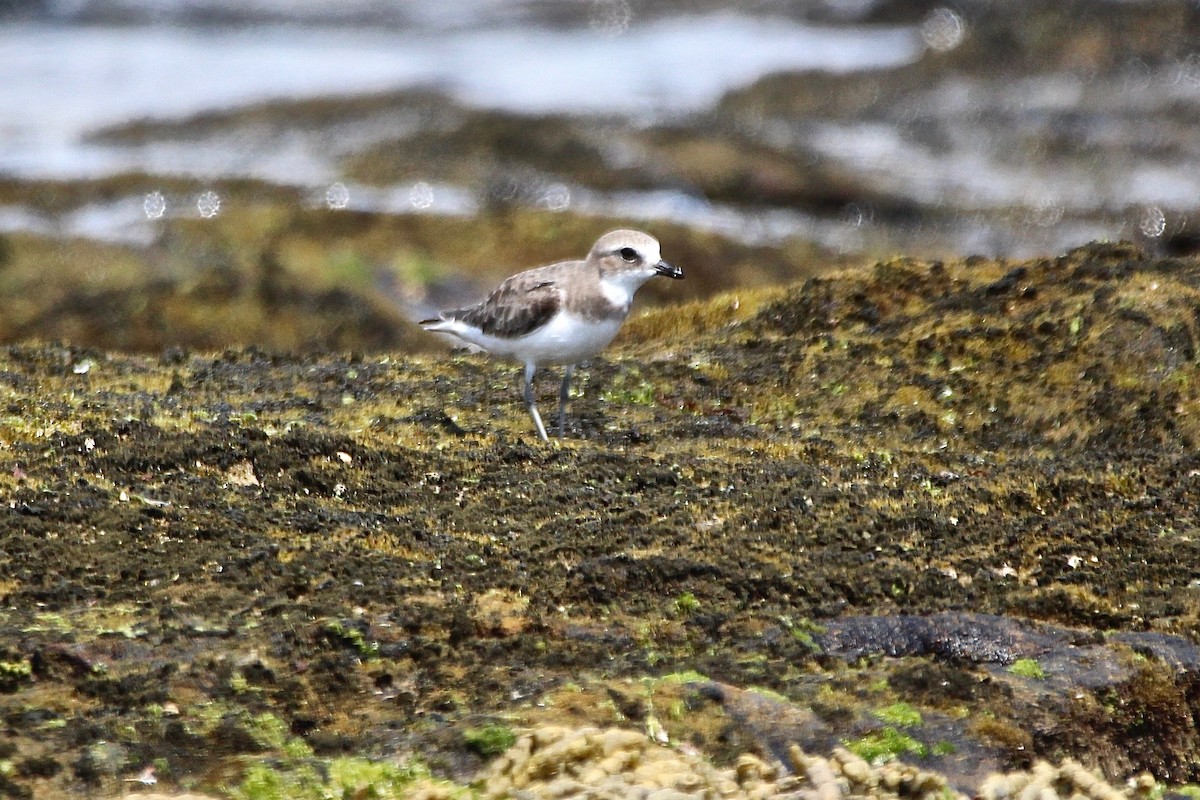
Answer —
13 674
272 733
886 744
1027 668
353 637
900 715
630 388
340 777
686 604
770 694
687 676
802 630
490 740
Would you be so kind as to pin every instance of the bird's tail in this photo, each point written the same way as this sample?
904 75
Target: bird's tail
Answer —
435 324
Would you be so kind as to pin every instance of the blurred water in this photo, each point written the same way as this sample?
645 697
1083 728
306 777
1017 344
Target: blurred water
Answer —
58 82
1009 166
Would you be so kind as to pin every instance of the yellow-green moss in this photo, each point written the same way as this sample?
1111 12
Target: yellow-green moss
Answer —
1027 668
490 740
885 744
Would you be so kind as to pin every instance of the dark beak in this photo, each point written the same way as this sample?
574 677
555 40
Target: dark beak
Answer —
663 268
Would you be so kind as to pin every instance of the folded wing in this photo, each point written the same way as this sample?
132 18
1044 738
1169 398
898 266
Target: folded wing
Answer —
518 307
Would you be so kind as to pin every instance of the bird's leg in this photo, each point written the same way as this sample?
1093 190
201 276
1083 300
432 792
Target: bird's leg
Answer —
564 392
530 369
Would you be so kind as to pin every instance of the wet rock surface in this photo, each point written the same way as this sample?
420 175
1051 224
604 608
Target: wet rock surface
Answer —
936 512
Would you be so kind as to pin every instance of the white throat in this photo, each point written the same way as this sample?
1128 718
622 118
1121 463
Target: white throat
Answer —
619 289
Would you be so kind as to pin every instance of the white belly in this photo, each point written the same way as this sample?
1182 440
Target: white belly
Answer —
566 339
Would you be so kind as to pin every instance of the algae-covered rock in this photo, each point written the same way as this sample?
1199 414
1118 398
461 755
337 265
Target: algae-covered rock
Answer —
217 559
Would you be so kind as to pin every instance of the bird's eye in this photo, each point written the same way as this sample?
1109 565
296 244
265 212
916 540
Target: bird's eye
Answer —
629 254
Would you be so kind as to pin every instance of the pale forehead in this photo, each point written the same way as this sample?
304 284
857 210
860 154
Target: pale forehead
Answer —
614 240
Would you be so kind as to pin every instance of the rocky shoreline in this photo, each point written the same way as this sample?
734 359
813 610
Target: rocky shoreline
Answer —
829 522
217 563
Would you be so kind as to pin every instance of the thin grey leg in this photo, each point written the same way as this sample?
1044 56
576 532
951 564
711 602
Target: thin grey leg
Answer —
564 393
530 369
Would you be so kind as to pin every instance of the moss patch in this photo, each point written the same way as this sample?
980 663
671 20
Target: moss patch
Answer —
1027 668
886 744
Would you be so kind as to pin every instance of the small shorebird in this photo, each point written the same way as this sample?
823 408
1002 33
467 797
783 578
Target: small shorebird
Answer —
562 313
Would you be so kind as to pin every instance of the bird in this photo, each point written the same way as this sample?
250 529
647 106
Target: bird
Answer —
562 313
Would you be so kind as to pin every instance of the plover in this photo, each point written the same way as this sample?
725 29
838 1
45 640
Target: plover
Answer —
562 313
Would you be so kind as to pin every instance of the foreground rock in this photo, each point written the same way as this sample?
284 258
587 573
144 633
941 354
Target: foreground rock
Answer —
216 564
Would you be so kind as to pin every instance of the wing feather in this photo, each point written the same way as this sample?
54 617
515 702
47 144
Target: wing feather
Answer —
519 306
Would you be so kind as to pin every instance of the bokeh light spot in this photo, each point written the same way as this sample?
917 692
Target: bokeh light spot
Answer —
943 30
1045 213
610 17
1153 222
337 196
208 204
155 205
421 195
1189 71
557 197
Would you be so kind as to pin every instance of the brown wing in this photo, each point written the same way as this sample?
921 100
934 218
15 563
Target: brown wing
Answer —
520 305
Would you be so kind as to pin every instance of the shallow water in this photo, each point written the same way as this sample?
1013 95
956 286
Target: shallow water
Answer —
999 167
61 82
